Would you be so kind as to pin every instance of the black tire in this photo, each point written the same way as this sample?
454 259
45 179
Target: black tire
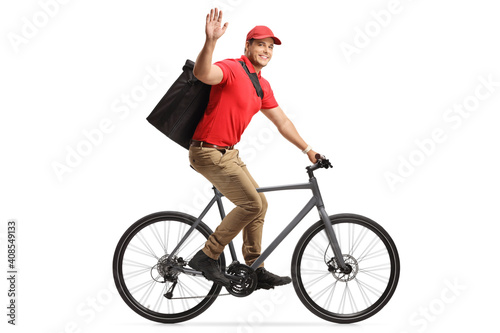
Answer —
143 289
374 260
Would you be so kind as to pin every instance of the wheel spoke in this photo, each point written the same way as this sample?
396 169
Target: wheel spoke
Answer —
313 258
191 293
316 280
347 296
137 249
350 237
160 299
181 233
369 288
317 248
132 274
373 255
190 238
193 252
147 293
182 292
358 241
170 304
156 234
139 287
328 300
313 271
352 301
128 262
363 293
165 234
142 239
337 233
324 290
380 267
382 278
369 248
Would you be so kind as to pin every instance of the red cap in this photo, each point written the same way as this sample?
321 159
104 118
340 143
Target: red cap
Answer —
261 32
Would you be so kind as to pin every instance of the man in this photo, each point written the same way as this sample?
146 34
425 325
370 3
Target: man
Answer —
233 102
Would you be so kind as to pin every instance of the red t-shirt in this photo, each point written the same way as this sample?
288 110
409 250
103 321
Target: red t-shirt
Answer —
232 104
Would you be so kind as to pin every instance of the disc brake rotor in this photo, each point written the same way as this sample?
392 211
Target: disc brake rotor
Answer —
352 265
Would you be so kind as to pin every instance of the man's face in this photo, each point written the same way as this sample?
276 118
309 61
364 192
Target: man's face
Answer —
260 51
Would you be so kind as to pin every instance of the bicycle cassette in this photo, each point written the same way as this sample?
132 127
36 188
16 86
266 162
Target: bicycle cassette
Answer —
247 280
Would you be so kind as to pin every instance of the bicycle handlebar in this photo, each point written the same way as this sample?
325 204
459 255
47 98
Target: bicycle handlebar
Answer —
322 162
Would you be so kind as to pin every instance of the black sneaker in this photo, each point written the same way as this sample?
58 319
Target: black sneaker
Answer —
268 280
209 267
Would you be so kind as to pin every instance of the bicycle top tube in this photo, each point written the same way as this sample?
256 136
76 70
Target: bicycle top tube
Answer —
321 163
304 186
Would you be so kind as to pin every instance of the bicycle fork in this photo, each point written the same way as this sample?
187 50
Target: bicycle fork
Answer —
328 226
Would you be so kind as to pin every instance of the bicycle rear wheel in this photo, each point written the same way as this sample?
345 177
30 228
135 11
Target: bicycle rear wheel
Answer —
143 274
369 252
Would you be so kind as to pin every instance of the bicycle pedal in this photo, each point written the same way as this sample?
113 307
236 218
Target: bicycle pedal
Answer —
266 286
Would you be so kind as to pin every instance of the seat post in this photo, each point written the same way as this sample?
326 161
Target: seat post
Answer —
219 195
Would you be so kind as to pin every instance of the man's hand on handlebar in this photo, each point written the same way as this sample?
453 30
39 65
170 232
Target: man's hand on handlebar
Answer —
312 156
322 161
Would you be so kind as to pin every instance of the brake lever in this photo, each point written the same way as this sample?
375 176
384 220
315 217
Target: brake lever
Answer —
328 164
323 161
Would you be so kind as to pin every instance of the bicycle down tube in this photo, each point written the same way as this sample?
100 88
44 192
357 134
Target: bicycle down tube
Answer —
307 208
317 201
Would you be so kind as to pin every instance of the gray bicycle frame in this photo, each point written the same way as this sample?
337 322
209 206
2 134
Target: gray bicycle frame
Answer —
316 200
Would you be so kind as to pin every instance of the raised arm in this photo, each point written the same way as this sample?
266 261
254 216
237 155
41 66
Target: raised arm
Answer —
204 70
288 130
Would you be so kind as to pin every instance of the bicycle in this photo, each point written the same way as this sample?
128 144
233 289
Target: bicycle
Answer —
345 267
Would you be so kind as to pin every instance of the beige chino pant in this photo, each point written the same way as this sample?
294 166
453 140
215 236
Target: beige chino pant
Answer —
227 172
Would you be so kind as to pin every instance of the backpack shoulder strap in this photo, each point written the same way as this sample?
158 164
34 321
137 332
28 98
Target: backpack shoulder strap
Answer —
255 80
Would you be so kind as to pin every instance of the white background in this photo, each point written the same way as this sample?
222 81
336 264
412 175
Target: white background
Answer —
365 111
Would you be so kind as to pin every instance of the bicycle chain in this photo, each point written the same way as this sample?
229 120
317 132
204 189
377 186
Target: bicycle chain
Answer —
211 296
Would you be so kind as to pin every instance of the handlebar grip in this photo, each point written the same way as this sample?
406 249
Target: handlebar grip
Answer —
319 157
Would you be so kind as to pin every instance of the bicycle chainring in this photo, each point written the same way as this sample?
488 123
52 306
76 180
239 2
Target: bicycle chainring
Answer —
248 280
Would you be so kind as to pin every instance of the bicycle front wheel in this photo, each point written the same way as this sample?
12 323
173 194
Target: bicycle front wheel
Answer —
144 275
346 297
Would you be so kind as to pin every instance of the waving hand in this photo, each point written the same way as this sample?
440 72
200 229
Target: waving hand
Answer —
213 27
